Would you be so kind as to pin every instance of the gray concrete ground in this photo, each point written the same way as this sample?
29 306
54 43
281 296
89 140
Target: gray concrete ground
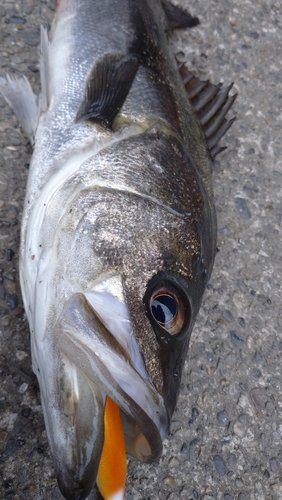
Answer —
225 441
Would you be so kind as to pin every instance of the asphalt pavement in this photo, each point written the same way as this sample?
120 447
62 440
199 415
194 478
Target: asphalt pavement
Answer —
226 434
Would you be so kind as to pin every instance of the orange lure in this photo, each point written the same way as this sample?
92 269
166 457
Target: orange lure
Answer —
112 468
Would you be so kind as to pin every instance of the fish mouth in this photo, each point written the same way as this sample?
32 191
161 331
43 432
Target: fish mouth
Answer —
97 357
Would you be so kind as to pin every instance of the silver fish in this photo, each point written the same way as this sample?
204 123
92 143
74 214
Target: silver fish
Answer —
119 228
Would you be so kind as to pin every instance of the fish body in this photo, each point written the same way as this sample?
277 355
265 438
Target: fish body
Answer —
119 227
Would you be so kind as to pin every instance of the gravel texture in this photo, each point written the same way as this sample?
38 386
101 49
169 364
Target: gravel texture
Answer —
226 434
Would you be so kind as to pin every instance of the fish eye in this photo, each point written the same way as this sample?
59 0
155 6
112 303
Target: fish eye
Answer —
167 308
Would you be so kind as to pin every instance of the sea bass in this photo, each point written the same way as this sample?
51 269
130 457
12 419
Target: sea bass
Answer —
119 230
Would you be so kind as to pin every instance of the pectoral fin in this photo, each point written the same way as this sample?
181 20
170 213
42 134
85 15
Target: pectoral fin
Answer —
107 87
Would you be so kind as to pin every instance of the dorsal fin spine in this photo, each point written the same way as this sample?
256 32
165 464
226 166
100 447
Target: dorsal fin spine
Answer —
211 104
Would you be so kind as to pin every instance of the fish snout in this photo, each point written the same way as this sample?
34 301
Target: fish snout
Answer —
90 367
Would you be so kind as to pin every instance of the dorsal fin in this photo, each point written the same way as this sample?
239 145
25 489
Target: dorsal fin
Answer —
210 103
178 17
107 87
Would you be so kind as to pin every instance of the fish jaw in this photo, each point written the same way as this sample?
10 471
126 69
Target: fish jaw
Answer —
87 364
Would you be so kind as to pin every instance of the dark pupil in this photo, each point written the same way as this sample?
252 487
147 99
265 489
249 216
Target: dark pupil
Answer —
163 308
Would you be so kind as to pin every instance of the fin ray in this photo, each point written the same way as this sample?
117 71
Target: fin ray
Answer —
215 138
178 17
107 88
211 104
25 104
220 117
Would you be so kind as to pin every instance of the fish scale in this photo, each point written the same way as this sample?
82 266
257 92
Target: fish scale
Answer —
119 229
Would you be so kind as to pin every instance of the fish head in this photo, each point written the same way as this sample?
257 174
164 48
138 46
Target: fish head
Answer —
123 284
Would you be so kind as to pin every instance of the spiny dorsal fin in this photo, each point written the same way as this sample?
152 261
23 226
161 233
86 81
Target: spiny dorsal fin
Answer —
107 87
178 17
210 103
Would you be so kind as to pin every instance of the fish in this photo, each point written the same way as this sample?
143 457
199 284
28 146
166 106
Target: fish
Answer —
118 235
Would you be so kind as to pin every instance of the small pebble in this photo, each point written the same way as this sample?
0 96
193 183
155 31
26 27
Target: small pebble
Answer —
224 382
222 417
274 465
257 357
243 496
236 340
12 300
9 276
191 450
258 397
242 207
5 321
26 412
230 359
256 373
275 487
23 388
195 414
184 448
239 429
173 462
169 480
244 387
243 401
9 254
240 300
254 34
31 37
12 446
232 460
227 316
241 322
220 465
20 355
173 496
243 419
4 435
17 20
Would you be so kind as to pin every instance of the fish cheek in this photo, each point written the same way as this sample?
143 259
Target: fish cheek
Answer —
140 239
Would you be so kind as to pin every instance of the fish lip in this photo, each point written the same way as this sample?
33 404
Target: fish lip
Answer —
107 364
